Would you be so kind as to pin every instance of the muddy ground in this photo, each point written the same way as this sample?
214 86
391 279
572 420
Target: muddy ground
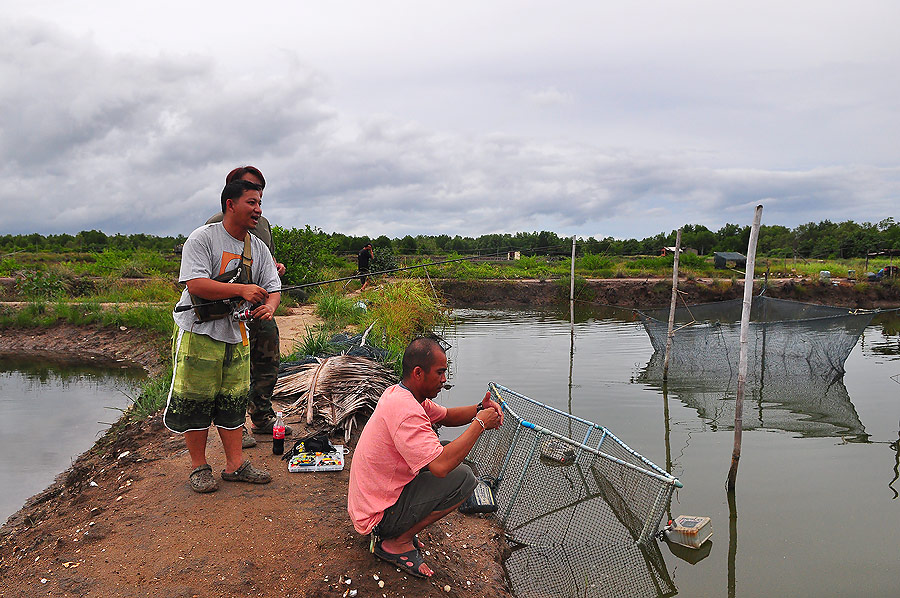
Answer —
124 522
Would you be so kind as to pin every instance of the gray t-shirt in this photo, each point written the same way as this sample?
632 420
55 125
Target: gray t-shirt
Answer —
208 252
263 229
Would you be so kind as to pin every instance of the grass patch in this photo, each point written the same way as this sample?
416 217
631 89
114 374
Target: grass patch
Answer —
152 396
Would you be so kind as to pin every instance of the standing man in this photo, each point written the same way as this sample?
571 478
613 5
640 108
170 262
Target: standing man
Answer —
265 353
211 370
402 479
363 257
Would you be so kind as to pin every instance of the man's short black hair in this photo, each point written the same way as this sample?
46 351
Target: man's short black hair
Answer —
235 189
421 352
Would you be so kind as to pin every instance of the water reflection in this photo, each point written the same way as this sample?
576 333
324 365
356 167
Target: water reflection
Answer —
52 411
808 406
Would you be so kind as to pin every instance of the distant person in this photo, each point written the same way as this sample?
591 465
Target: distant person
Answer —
402 479
211 376
265 352
365 254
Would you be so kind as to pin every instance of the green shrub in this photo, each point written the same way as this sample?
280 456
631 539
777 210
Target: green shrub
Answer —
40 284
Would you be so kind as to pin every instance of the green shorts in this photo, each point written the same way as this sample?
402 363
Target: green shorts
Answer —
210 383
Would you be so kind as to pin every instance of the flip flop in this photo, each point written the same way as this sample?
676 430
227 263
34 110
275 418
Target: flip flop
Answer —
408 562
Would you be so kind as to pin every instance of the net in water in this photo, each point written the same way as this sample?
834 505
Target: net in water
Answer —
786 339
574 496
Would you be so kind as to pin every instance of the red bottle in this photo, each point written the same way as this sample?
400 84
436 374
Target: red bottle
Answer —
278 434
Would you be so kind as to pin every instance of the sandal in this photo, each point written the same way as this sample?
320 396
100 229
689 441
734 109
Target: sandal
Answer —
247 473
202 480
408 562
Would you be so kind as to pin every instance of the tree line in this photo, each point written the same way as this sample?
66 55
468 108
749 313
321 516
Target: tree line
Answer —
823 240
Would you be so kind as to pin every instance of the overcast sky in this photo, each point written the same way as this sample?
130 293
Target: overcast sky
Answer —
417 117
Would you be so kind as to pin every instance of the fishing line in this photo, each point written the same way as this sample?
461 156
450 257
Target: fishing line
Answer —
182 308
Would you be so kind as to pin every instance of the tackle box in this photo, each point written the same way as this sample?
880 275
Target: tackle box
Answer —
333 461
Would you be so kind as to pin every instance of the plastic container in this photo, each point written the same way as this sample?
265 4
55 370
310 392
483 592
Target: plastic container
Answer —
689 530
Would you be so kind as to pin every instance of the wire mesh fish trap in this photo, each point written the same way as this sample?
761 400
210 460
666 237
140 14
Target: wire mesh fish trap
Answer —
563 480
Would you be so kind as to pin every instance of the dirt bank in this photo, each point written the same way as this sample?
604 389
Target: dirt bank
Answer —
123 521
653 292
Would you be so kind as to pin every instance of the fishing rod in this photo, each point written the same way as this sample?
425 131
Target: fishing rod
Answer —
243 315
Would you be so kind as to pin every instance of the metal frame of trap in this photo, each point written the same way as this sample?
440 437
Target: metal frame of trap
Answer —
636 490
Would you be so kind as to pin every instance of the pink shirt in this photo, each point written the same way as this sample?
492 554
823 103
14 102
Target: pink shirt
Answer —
396 443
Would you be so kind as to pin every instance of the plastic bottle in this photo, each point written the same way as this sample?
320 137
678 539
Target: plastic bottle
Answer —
278 434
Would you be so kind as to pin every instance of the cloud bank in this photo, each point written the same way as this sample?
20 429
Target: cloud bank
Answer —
124 142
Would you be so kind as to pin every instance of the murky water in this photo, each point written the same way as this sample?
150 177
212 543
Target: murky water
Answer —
817 503
50 415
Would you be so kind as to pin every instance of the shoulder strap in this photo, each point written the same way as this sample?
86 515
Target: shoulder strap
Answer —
247 258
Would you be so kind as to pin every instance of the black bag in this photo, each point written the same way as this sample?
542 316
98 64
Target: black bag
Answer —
207 311
314 443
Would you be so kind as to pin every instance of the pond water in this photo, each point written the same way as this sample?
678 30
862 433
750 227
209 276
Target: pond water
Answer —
51 413
817 505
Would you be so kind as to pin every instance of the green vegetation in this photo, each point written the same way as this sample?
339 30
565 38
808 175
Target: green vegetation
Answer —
396 313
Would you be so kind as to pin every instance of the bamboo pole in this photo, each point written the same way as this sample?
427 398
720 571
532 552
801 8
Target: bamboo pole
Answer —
742 363
671 331
572 297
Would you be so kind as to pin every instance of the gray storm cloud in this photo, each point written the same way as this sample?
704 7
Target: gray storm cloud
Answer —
123 143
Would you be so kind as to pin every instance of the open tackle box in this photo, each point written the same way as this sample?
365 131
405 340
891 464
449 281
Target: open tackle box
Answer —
331 461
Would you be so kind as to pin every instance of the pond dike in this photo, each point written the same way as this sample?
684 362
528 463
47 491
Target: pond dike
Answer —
657 292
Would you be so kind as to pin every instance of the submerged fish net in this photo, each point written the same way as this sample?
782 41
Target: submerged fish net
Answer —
569 491
786 339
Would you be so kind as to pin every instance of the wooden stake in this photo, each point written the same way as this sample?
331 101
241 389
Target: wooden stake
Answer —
671 331
742 363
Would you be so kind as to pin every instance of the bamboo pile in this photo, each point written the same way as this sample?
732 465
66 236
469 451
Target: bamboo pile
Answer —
336 391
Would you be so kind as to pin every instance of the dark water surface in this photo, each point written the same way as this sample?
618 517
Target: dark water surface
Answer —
50 414
817 503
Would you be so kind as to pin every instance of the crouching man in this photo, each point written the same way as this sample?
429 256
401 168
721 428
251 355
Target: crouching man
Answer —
402 479
211 377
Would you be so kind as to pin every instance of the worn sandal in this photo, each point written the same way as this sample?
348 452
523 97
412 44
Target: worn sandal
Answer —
408 562
247 473
202 480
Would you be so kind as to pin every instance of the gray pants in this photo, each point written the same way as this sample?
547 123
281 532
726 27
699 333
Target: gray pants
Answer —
425 494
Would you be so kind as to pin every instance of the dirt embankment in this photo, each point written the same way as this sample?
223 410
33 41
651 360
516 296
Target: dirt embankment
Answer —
657 292
122 521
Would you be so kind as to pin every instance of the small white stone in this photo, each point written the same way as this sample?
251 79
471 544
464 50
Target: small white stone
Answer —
348 581
43 580
351 593
93 483
380 583
125 454
375 577
446 588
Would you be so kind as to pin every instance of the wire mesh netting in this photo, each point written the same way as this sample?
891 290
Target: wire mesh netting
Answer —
785 339
806 406
582 506
600 569
560 479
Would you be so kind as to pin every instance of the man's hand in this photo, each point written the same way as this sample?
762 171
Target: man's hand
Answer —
253 294
279 267
263 312
490 417
488 403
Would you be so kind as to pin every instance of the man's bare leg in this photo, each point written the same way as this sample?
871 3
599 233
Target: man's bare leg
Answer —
196 445
403 542
231 442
